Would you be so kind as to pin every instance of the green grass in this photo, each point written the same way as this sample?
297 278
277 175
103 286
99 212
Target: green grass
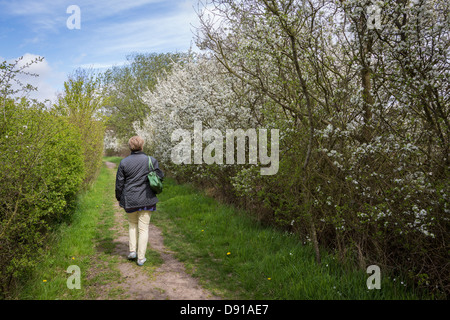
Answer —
78 243
87 241
233 255
263 263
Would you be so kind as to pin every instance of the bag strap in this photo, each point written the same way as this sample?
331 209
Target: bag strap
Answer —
150 163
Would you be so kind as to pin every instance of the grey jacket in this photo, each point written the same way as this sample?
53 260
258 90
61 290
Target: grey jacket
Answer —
132 186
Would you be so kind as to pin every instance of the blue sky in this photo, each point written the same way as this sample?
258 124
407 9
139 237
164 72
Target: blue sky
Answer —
110 30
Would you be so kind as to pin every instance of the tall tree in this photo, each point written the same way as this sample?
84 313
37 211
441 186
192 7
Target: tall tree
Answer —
124 86
82 102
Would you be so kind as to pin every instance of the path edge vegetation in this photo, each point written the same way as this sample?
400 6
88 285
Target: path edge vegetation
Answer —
236 256
75 242
49 154
87 241
226 249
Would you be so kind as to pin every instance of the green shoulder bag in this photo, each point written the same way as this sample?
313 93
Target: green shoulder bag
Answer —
155 182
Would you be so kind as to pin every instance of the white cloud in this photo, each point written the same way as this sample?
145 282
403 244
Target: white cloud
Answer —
27 7
152 33
46 18
46 78
105 8
103 65
110 30
40 11
167 29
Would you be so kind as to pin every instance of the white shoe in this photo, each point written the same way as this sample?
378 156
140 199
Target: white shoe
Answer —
140 262
132 256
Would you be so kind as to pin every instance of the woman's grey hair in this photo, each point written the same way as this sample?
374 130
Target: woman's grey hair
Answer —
136 143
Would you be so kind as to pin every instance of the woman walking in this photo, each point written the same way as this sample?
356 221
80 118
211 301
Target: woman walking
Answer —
135 195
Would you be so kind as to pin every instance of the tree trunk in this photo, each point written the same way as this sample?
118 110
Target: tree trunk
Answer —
365 44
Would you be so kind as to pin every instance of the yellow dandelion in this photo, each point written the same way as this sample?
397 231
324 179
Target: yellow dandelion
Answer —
269 278
44 280
228 253
203 230
73 258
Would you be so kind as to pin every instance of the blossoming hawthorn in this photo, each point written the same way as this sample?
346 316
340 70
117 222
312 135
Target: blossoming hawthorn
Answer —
368 108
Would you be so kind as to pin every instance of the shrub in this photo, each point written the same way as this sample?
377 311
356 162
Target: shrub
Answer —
48 155
42 171
80 104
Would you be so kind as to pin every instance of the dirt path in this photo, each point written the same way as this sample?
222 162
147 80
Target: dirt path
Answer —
168 281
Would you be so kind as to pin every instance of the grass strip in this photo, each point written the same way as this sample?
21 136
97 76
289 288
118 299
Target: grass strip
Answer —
234 256
74 244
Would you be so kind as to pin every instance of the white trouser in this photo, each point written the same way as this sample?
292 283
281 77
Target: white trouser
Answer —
138 227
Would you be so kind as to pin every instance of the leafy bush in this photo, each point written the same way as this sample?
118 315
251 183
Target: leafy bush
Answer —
42 171
80 104
48 155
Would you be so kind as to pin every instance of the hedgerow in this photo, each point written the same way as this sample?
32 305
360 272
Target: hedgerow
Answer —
47 158
363 115
42 171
